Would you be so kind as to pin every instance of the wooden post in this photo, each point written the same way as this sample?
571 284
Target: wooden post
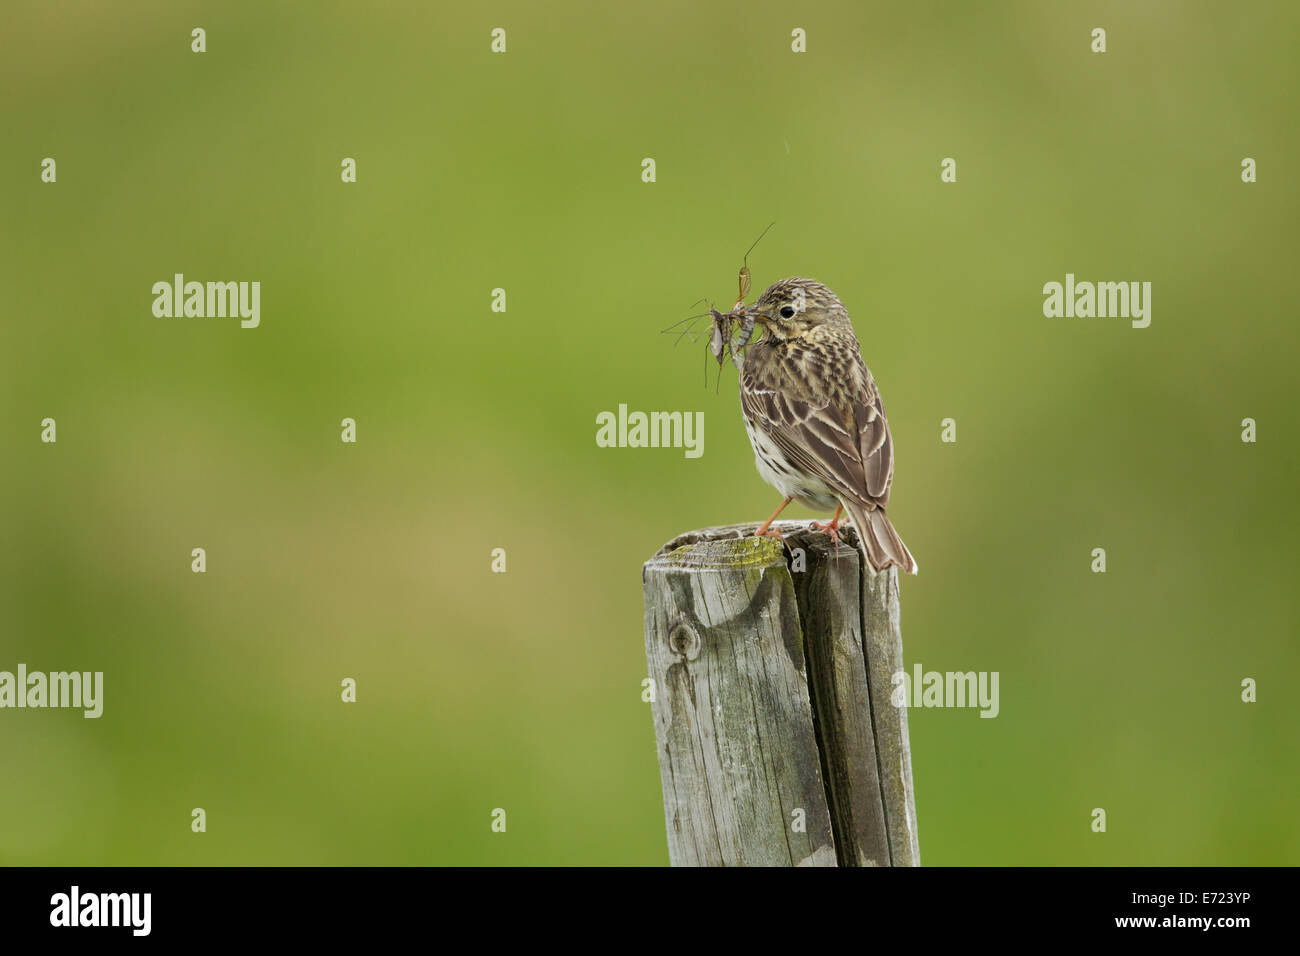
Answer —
772 670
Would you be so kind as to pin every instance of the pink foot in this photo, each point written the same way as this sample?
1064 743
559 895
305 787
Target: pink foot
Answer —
830 528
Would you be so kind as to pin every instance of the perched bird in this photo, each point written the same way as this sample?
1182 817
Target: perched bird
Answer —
816 419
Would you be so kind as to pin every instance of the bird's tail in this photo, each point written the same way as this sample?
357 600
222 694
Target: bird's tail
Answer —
881 545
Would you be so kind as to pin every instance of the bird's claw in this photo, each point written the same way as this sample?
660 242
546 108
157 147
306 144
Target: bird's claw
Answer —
829 527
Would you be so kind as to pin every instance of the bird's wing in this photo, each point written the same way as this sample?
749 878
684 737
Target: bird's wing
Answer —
831 425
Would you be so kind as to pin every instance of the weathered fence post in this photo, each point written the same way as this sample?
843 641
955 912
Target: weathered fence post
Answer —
772 670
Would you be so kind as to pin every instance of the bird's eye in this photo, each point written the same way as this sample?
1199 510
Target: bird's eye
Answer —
787 312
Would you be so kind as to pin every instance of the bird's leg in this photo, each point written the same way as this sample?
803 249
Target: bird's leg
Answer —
830 527
764 529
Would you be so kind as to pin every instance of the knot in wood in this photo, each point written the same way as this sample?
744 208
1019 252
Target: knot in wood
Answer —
684 640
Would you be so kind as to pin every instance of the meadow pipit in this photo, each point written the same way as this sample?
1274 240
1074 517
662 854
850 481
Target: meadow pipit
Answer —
816 419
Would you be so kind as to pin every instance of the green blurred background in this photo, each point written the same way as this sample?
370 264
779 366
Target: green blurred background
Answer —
476 429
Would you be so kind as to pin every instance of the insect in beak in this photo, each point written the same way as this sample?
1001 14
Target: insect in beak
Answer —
743 318
721 333
740 316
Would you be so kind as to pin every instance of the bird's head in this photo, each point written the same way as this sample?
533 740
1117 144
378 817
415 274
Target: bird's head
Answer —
792 308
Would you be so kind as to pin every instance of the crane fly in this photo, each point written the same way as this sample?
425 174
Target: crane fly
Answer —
722 323
721 338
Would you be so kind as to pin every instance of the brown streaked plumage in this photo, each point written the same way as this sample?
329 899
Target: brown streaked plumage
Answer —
815 417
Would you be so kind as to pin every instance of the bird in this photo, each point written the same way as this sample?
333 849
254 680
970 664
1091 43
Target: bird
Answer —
816 419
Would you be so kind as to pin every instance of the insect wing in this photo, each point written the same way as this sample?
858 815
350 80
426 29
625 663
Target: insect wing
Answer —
720 334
